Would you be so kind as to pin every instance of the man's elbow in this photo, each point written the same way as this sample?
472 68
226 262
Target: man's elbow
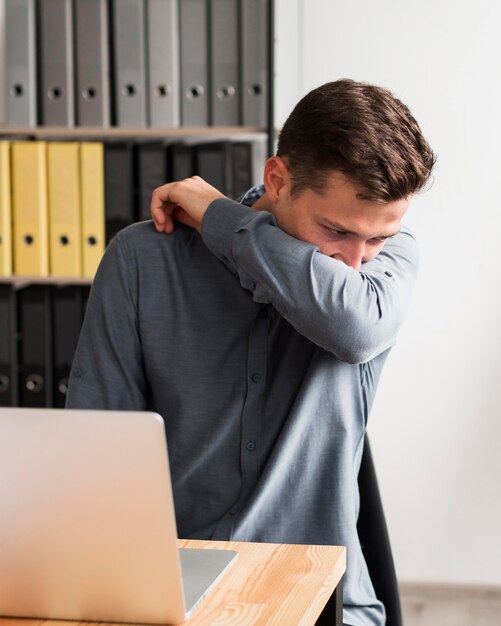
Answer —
361 346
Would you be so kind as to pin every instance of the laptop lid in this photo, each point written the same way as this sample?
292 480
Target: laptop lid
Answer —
87 524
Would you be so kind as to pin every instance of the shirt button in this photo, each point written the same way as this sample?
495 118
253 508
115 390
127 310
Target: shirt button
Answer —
77 372
256 377
250 445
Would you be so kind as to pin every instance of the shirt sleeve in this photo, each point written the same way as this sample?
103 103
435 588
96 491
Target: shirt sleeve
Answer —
353 314
107 370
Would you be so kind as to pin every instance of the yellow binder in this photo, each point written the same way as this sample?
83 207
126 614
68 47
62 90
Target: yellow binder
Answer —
93 224
29 202
5 211
65 236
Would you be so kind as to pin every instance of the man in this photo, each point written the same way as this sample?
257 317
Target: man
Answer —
259 329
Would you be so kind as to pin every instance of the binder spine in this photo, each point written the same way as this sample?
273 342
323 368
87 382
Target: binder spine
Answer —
35 350
224 63
29 207
92 204
152 172
129 43
64 209
57 63
163 63
214 163
255 42
92 63
182 161
242 167
5 211
120 186
194 62
8 346
66 322
20 63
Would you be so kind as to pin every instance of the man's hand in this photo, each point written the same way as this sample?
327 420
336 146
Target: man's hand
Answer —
185 201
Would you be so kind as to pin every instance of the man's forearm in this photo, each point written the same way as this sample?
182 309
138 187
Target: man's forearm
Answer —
354 315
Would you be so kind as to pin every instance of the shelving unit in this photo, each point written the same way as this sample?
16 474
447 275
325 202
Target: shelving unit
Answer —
59 288
79 132
18 282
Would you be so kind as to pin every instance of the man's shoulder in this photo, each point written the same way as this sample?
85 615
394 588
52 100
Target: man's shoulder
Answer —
140 248
144 241
144 233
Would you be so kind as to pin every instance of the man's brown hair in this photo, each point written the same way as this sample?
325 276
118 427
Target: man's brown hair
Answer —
362 131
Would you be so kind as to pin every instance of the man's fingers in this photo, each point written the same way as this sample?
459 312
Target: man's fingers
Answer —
162 218
162 209
191 195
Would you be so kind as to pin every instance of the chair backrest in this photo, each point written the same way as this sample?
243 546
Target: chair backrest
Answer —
375 540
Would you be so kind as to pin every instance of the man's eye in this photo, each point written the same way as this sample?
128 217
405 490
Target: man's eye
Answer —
335 232
378 240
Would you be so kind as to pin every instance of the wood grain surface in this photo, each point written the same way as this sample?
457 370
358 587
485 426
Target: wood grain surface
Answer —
271 584
267 585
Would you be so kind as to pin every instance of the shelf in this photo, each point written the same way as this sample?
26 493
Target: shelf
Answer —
18 282
80 132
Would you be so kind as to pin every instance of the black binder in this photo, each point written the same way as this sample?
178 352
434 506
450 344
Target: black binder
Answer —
119 184
214 163
35 348
67 315
8 346
182 161
242 167
153 171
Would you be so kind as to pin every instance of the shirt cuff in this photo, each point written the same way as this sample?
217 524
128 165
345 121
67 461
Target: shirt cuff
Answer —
221 220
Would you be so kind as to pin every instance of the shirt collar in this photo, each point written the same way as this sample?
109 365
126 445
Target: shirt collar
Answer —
252 196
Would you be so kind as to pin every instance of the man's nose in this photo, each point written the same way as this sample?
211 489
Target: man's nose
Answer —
352 254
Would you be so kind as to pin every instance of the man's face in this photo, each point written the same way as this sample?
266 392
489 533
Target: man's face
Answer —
338 222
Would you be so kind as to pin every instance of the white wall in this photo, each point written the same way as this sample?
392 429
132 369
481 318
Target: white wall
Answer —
436 424
435 427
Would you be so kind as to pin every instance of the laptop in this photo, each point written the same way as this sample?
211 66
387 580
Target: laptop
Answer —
87 524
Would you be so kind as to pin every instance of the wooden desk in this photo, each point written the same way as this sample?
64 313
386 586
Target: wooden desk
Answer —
268 585
271 584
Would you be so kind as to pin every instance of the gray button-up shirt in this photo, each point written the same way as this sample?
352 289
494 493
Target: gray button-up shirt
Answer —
263 356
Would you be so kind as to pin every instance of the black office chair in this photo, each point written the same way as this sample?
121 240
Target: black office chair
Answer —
375 540
376 547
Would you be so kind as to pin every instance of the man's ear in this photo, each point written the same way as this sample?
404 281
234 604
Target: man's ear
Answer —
277 179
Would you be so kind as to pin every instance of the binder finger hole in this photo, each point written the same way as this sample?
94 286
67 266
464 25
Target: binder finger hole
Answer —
4 383
55 93
17 90
92 241
64 240
34 383
129 90
162 91
89 93
255 90
195 92
63 386
28 239
226 92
